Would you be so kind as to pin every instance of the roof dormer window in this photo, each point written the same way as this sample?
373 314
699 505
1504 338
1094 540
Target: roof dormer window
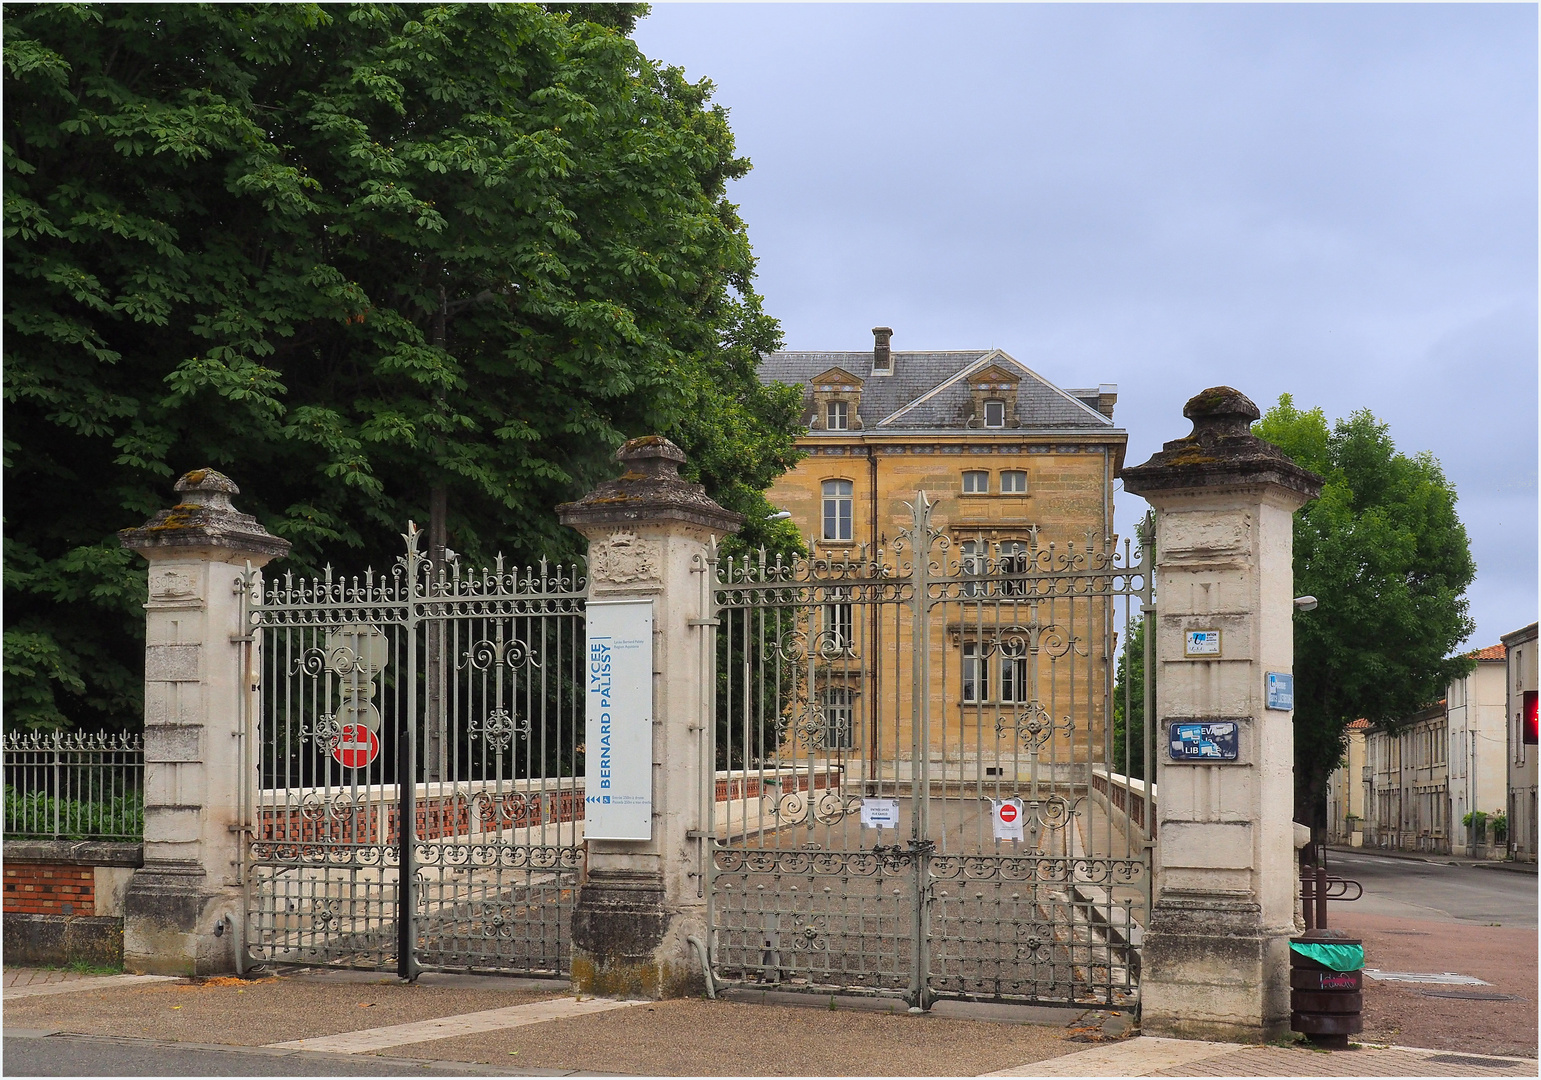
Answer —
836 401
995 414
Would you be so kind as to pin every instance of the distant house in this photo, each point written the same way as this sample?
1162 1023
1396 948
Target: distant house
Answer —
1521 739
1420 783
1346 789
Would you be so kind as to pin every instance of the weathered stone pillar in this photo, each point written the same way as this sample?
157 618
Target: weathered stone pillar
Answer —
648 536
1215 962
182 910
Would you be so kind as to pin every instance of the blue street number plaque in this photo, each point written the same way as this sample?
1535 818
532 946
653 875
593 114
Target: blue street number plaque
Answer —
1202 741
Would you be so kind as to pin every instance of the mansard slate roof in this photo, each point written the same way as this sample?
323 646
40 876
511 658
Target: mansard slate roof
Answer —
930 390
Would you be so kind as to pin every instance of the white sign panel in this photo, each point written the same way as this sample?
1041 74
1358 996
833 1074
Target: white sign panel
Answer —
618 741
880 813
1008 819
1201 643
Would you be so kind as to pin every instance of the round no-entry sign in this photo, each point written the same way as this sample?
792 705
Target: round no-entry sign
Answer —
356 746
1009 812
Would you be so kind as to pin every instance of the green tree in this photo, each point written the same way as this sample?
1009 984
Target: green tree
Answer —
1129 718
1386 555
377 262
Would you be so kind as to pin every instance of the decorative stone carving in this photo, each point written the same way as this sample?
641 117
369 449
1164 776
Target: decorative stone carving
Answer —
624 558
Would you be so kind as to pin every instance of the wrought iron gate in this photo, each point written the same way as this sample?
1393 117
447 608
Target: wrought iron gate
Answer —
415 791
886 717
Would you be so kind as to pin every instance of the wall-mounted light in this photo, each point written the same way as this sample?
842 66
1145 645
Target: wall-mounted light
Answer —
1305 603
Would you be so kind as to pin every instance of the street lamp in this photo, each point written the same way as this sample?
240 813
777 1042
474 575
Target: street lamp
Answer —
779 515
1305 603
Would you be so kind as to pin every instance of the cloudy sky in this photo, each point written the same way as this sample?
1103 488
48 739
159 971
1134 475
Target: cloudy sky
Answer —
1337 202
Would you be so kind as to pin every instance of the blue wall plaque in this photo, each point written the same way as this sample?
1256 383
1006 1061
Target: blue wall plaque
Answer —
1203 740
1281 691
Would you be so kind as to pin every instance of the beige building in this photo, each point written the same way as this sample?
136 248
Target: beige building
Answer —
1419 784
1408 804
1520 696
1475 711
1013 465
1346 789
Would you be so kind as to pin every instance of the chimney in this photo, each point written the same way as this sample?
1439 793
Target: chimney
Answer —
1107 397
882 359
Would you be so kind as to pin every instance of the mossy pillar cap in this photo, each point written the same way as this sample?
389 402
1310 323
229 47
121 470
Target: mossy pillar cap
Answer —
1220 451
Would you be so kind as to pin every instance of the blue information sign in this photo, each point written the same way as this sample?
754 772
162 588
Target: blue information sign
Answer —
1281 691
1211 740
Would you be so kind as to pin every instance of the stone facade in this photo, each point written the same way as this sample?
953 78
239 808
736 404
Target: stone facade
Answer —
1005 457
1520 739
1417 784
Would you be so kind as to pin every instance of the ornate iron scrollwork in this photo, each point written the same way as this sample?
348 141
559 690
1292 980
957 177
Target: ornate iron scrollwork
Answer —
498 728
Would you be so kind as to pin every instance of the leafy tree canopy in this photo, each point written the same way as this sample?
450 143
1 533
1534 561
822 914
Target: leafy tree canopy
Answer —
1385 553
348 255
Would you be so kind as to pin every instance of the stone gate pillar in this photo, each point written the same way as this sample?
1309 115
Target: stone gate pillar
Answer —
182 910
648 534
1215 962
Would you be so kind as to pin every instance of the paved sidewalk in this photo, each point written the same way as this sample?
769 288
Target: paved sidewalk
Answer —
1434 857
525 1026
39 982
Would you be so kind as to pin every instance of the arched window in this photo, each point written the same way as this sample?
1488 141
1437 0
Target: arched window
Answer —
976 482
1013 481
837 509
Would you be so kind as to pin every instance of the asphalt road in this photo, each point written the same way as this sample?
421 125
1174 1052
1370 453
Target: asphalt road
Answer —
1412 889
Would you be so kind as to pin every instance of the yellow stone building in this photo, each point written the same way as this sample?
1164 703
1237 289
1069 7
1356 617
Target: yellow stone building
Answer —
1020 474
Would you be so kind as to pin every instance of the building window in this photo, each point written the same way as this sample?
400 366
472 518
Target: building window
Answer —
1013 481
1013 671
837 509
975 672
837 719
995 414
838 626
1012 566
835 415
976 482
972 553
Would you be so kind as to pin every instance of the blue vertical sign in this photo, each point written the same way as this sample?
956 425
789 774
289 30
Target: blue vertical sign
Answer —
618 738
1281 691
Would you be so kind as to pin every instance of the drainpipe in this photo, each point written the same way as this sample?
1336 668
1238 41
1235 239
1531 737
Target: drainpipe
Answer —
877 617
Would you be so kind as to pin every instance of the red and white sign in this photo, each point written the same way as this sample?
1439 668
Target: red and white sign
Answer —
356 746
1008 819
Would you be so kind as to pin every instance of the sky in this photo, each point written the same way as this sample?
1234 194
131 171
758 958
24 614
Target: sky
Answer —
1338 202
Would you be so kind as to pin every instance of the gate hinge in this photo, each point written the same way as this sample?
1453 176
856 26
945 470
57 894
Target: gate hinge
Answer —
695 834
702 622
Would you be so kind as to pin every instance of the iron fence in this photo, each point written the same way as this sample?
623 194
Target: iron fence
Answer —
74 785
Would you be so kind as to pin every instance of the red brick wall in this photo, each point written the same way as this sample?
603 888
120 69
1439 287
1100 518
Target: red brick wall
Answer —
41 888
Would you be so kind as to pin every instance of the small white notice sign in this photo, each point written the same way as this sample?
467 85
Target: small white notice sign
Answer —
618 739
1201 643
880 813
1008 819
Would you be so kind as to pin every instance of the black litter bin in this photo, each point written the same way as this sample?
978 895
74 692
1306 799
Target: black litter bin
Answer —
1325 1004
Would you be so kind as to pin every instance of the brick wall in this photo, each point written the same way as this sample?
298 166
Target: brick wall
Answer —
44 889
